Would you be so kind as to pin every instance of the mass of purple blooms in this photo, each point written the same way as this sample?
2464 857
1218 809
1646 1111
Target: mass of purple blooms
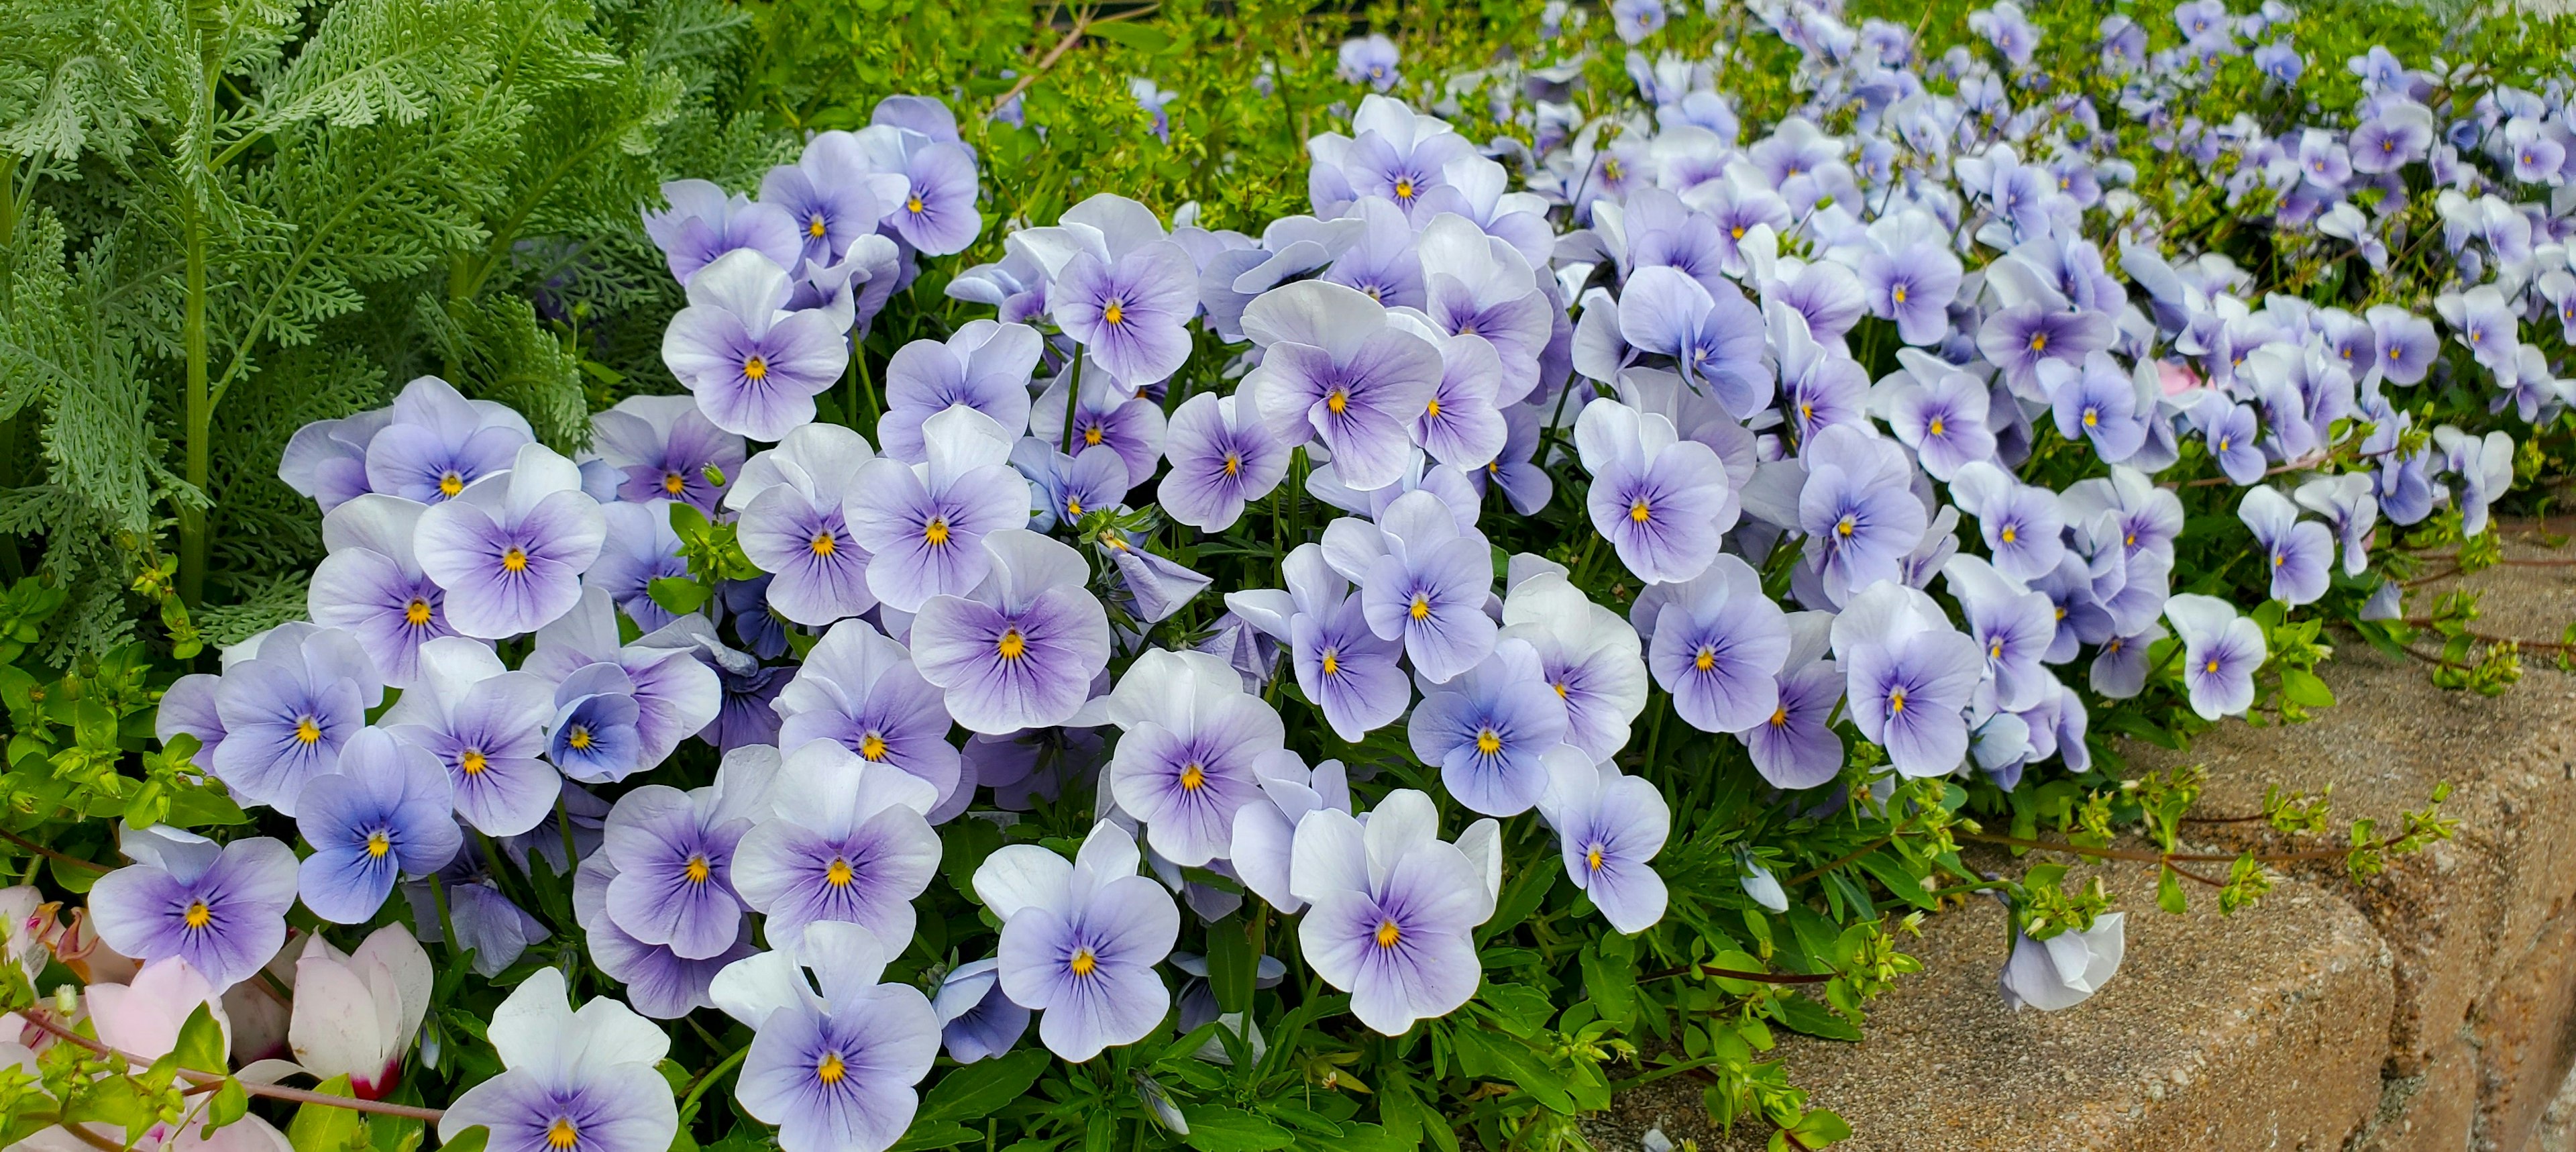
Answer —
963 608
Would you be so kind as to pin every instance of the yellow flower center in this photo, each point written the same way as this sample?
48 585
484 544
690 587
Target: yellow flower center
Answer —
471 762
831 1069
872 748
1432 409
815 226
936 532
514 560
2223 442
1610 168
1073 505
1780 716
1113 313
2277 558
1488 742
1639 512
579 739
1332 663
823 544
1421 609
837 873
1233 463
1012 645
198 915
1737 231
1899 293
561 1133
2211 667
1193 777
913 204
416 613
378 844
1896 699
1404 189
1844 526
697 870
1995 650
1706 660
1937 426
1091 436
449 484
306 731
673 483
755 368
1084 962
1592 857
1337 401
2039 341
2092 418
1388 934
2010 534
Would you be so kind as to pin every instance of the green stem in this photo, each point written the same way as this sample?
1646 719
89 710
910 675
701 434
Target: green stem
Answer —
1072 399
446 924
707 1081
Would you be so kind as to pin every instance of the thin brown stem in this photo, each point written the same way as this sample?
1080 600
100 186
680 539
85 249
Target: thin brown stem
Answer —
2486 638
272 1091
51 854
1733 974
1846 858
2166 858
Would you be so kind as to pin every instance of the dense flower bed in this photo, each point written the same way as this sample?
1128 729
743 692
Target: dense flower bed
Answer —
1490 639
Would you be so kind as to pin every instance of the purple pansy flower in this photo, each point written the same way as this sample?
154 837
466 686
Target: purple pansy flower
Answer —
1489 730
487 726
1265 830
1587 654
639 547
2233 435
921 524
2016 339
1020 649
1715 339
831 196
1857 509
1393 909
673 852
754 367
1422 579
1369 60
676 694
2221 651
1942 419
2013 627
859 689
663 448
2407 342
834 1069
1342 666
2021 523
2098 402
976 1020
2350 503
1334 367
596 735
983 365
936 213
1185 765
220 907
510 549
846 840
794 526
575 1081
1221 456
2300 553
1796 746
1081 939
704 223
1911 675
388 812
1608 826
661 983
437 442
1717 644
1913 286
283 714
1104 416
1663 502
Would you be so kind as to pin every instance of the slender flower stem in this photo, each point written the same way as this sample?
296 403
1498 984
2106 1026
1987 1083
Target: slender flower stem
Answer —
42 1019
712 1075
1072 399
51 854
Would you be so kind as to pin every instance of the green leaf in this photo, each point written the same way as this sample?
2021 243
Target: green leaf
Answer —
1819 1128
1524 1009
470 1140
1230 965
230 1103
1141 37
2169 891
1220 1129
1495 1055
323 1128
201 1042
2305 689
678 595
977 1090
1800 1014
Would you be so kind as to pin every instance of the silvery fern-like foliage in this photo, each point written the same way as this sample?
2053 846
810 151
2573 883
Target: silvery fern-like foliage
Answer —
223 219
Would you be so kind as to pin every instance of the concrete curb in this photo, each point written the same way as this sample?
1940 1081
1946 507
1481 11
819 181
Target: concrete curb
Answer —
2433 1007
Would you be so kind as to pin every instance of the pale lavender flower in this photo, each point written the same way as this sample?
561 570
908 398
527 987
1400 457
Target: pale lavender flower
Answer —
2119 670
1796 746
793 525
1334 367
834 1069
937 213
2068 968
1422 579
1460 425
1369 60
1912 286
673 852
496 931
2221 651
1019 650
574 1081
1185 765
487 727
1221 456
1586 652
1393 908
2097 402
2484 466
388 812
1342 666
977 1021
659 982
2407 343
663 448
2398 134
983 365
1104 416
859 689
1718 645
831 196
1265 830
1478 285
921 523
1525 486
1910 677
1942 419
596 736
1386 262
2004 26
2016 339
2350 504
437 442
1067 488
1608 827
2299 552
1488 730
284 713
845 840
510 550
1663 502
1634 20
704 223
327 459
1129 310
2022 524
1081 938
1857 509
754 367
638 548
2233 435
220 907
2013 627
1716 339
676 694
